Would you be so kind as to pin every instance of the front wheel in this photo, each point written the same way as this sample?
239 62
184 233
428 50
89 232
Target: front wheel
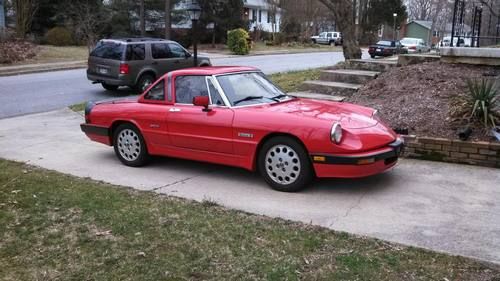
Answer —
130 146
372 56
284 164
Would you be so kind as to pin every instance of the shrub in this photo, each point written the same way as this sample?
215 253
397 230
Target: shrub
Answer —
483 98
16 50
59 36
237 41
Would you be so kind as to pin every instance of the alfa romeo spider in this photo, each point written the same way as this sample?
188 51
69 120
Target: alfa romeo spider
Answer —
236 116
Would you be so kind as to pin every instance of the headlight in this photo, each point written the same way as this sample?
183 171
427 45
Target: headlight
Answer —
336 133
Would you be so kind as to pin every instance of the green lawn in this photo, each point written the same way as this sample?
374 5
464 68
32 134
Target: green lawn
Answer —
59 227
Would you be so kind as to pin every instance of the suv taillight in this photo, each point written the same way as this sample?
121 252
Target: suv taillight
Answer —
124 68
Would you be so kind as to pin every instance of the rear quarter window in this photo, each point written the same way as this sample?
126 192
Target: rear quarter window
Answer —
108 50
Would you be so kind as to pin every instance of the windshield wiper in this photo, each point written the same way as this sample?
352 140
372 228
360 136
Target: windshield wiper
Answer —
279 97
247 98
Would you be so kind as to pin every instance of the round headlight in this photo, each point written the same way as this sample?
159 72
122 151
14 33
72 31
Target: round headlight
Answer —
336 133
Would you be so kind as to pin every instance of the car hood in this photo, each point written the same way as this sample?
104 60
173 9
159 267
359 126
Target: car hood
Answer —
349 116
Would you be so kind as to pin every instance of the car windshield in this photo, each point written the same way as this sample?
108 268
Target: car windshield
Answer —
384 43
249 88
109 50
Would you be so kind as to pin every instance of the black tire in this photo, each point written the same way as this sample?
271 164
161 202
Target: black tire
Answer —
109 87
372 56
144 81
135 141
314 41
294 176
332 43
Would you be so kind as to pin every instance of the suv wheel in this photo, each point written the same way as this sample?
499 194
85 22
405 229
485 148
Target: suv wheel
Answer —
144 82
109 87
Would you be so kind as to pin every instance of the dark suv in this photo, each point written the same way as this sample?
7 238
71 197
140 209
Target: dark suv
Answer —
136 62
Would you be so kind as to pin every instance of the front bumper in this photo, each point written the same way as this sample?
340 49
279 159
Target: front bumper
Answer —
357 165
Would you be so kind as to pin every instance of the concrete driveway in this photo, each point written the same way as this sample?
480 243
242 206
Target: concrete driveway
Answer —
445 207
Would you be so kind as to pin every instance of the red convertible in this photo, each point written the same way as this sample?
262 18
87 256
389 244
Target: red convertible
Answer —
235 116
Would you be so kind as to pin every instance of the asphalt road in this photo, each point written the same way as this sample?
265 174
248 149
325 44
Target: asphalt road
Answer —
32 93
445 207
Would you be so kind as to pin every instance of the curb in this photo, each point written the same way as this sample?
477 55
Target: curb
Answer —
41 69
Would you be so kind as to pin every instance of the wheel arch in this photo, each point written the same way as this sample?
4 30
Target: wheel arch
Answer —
270 136
116 124
146 71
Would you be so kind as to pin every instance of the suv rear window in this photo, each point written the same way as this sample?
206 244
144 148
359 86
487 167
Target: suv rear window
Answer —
135 52
108 50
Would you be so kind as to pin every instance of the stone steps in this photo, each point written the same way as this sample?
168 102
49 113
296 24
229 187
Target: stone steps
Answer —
352 76
329 87
317 96
379 65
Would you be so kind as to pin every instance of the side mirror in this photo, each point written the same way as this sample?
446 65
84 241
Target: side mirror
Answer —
202 101
188 55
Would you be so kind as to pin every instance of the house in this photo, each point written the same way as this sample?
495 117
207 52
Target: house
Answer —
262 14
420 29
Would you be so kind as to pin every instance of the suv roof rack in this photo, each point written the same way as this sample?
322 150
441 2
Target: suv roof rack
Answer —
139 39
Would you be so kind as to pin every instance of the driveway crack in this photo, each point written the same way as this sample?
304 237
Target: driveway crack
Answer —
180 181
355 205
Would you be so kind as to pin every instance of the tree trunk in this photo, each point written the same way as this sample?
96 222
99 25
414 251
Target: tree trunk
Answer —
343 13
168 19
142 18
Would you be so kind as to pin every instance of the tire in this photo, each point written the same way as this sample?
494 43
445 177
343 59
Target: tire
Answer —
130 146
109 87
144 82
332 43
285 165
372 56
314 41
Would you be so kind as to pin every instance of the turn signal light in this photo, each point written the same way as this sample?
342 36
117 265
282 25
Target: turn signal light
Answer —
319 158
124 68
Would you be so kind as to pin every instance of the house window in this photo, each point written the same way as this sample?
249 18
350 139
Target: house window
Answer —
260 15
435 33
254 15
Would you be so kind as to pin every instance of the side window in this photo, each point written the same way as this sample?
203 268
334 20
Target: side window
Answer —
335 35
214 93
159 51
176 51
136 52
188 87
157 92
329 35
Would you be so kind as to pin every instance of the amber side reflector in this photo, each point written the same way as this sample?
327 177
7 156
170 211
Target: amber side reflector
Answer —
366 161
319 158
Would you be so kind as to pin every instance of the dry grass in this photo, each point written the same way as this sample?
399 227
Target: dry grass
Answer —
50 54
59 227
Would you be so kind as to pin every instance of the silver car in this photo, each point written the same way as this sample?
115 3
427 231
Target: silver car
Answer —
136 62
329 38
415 45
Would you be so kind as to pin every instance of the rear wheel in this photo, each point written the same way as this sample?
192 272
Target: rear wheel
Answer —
372 56
129 146
109 87
285 165
144 82
332 43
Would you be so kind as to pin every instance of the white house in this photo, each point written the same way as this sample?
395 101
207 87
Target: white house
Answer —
262 14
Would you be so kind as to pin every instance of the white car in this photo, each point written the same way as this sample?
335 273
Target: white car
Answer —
445 42
415 45
330 38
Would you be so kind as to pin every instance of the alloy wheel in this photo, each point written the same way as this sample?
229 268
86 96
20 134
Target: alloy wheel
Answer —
129 145
282 164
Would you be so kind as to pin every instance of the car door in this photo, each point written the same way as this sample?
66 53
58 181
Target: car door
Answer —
322 38
183 58
191 127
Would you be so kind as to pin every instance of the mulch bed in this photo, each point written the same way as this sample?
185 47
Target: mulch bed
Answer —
16 50
429 99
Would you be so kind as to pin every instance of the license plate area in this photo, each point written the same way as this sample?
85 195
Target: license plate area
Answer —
379 50
101 70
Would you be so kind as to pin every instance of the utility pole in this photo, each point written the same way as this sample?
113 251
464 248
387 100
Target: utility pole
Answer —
142 18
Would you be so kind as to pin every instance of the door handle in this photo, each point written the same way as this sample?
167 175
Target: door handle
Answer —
174 109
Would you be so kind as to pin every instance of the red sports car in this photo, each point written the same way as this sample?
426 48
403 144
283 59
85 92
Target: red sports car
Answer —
235 116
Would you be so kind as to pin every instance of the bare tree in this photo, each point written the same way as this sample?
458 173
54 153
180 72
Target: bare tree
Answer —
25 10
343 13
87 18
142 18
420 9
168 19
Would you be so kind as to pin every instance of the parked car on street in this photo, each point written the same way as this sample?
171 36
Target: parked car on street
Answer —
385 48
136 62
463 42
415 45
328 38
235 116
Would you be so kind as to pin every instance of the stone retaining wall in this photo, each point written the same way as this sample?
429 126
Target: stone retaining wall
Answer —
455 151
